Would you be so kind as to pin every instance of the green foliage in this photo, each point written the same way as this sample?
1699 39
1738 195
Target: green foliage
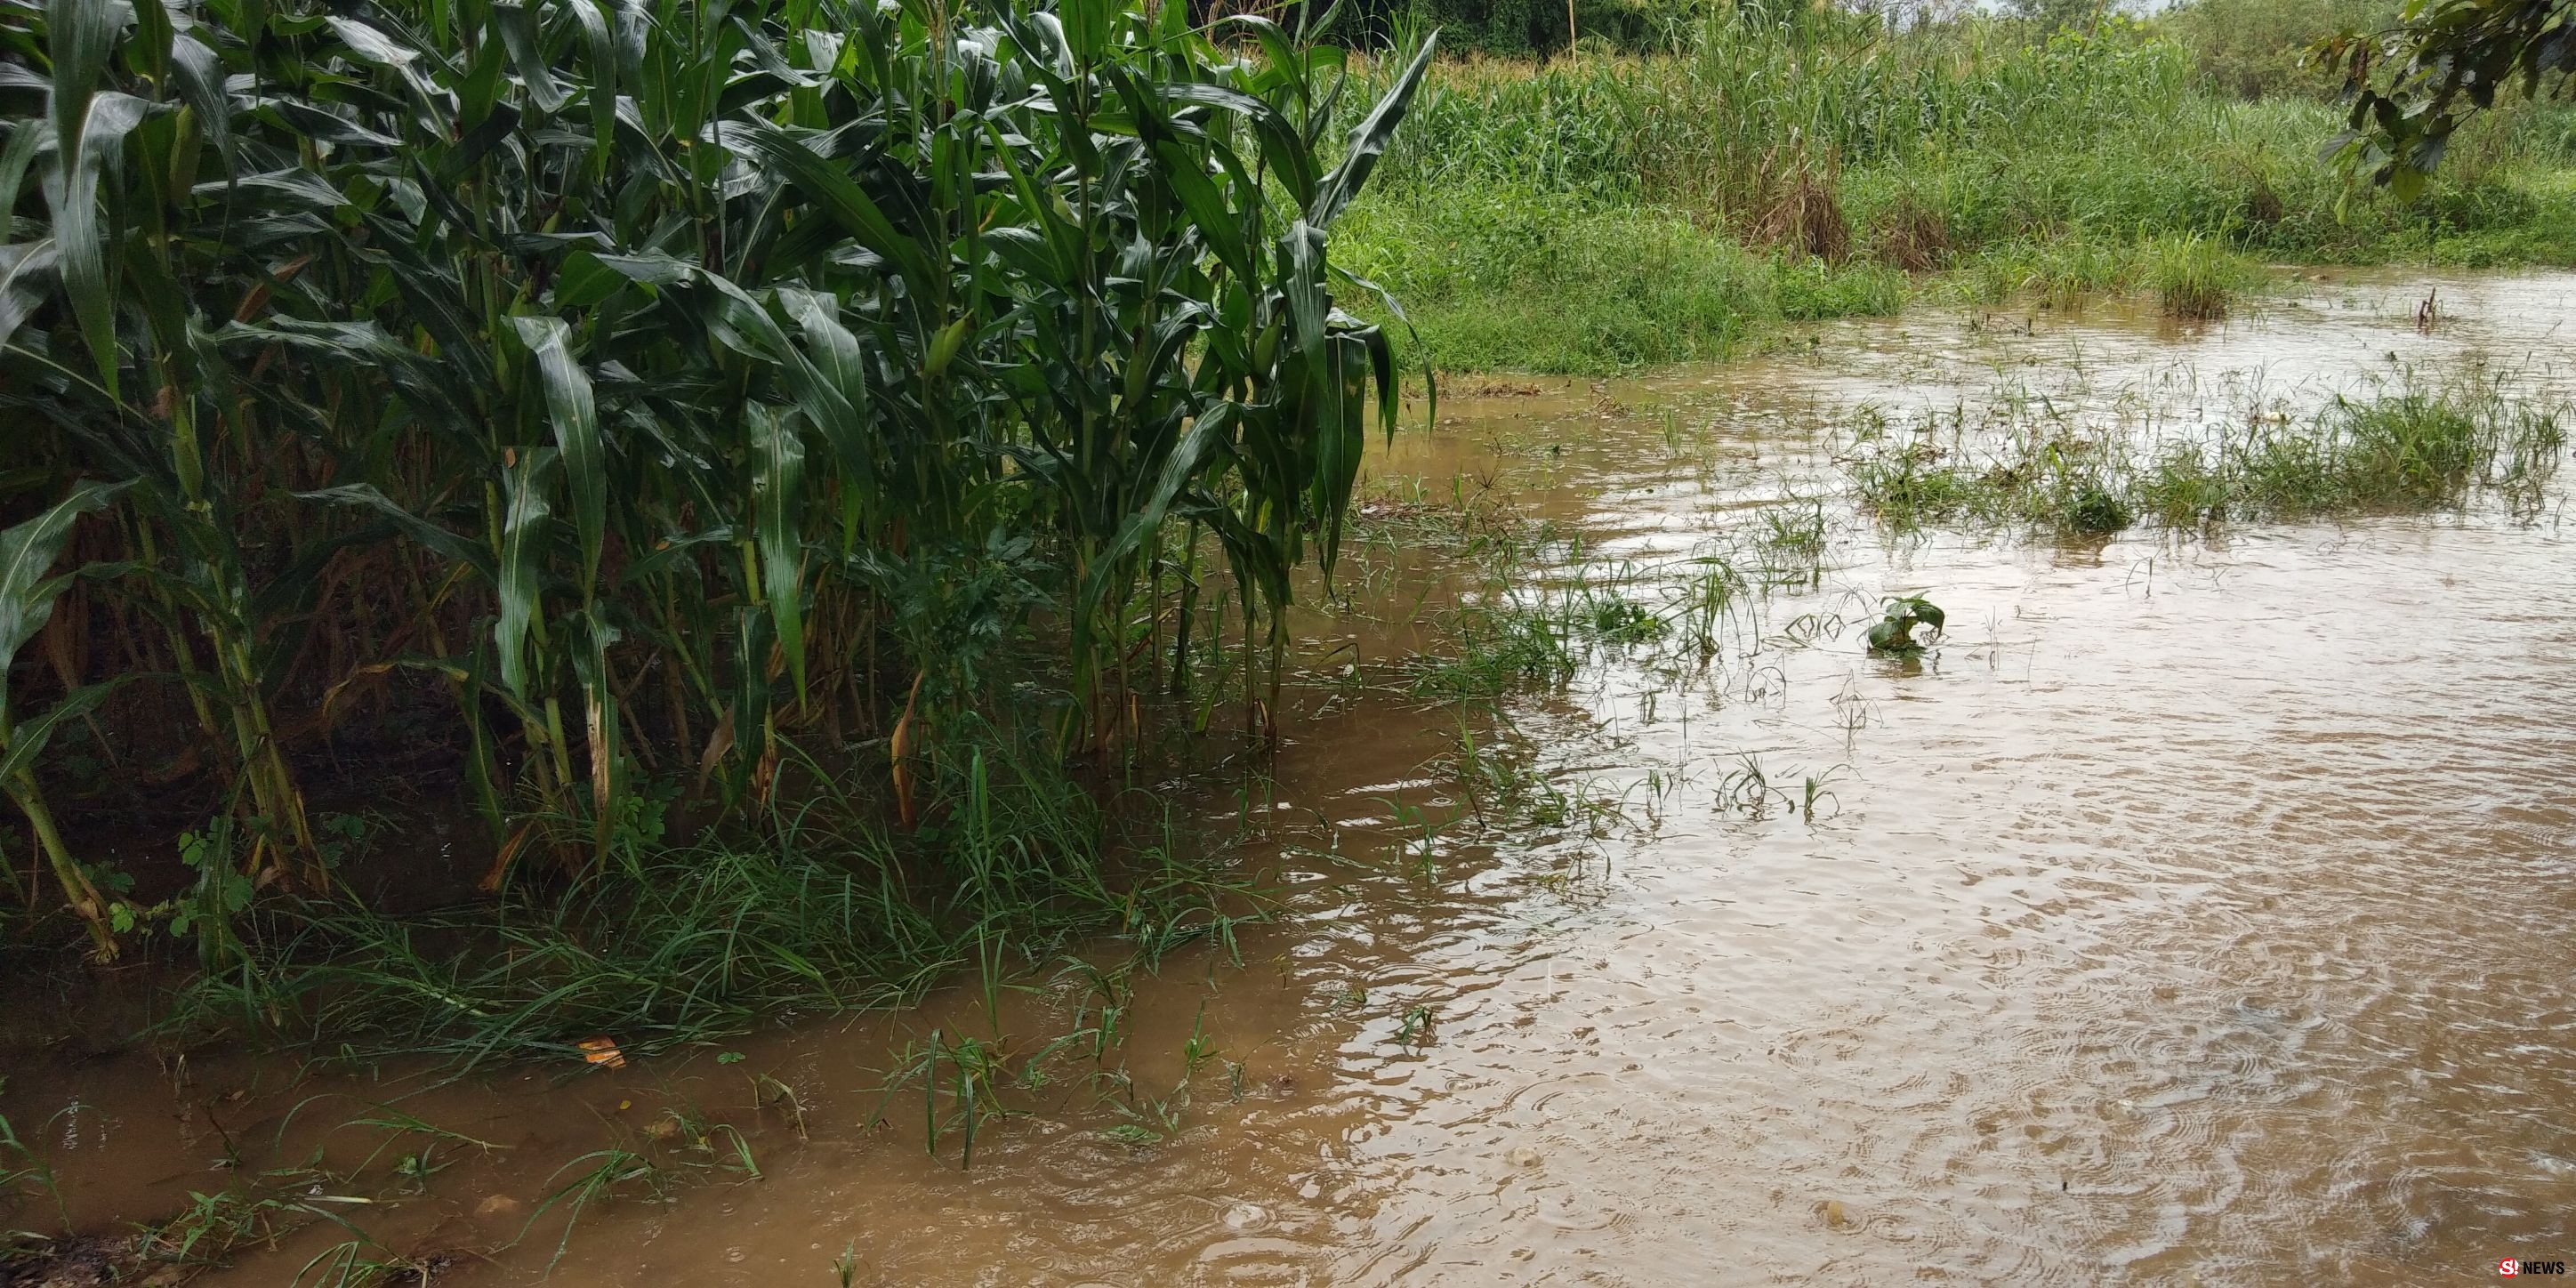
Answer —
1893 633
2195 276
1499 278
218 893
1599 212
2407 449
23 1171
2446 60
1545 27
2096 509
1706 125
662 381
666 946
2259 48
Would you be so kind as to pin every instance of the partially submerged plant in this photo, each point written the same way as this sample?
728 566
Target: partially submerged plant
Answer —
2196 277
1894 633
2096 509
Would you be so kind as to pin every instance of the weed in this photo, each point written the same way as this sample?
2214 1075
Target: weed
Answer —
1814 795
679 945
768 1092
259 1208
1747 787
358 1263
1415 1029
2194 277
1151 1118
971 1073
1893 634
2095 508
592 1178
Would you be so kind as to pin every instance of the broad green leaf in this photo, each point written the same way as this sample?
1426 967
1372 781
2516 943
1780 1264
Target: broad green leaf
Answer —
71 190
518 28
836 193
26 741
521 584
25 135
27 551
429 535
1208 210
1368 141
1184 462
24 269
779 499
576 420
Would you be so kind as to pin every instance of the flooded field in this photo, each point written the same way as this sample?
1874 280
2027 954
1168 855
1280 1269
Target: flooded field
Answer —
2195 911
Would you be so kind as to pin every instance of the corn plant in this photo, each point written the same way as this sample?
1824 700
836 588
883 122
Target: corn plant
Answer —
654 380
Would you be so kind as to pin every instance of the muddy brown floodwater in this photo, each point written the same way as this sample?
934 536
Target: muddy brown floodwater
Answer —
2201 910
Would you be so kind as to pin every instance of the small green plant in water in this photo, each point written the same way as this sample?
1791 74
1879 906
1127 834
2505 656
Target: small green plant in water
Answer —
2096 510
1894 633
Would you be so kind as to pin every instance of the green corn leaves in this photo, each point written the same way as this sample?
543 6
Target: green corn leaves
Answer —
27 553
778 506
526 510
675 380
576 422
1369 140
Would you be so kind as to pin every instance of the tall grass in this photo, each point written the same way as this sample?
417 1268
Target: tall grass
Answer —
1672 200
620 393
1825 86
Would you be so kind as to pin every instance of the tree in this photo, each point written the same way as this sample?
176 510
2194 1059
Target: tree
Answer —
2413 84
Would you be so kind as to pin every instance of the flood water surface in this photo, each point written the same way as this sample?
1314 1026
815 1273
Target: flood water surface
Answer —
2199 910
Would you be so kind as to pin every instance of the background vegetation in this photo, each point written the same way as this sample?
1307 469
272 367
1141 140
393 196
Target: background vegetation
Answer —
1668 203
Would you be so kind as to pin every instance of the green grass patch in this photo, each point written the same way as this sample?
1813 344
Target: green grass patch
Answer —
1510 279
2408 450
1605 212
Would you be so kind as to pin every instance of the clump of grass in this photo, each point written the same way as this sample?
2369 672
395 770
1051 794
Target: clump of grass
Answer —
2195 277
2404 450
2097 509
1507 278
1911 235
1496 647
1800 215
23 1172
2411 450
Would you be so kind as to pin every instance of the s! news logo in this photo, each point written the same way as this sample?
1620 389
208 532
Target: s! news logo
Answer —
2511 1266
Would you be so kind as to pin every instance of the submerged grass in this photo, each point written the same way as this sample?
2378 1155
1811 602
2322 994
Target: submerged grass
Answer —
2408 449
